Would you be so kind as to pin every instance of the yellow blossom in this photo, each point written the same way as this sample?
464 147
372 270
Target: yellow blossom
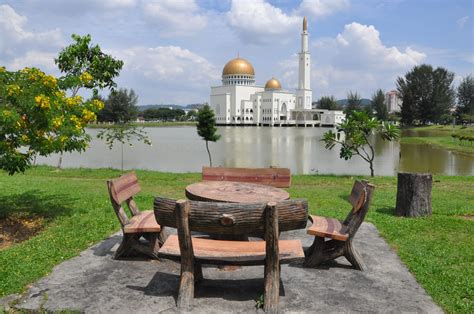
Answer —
88 115
98 104
43 102
73 101
59 93
49 81
25 138
63 138
13 90
86 77
76 121
6 113
57 122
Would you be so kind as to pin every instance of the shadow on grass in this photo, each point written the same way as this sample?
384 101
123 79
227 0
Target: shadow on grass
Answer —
390 211
36 203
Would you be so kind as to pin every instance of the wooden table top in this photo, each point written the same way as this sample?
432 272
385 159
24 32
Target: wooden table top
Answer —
234 192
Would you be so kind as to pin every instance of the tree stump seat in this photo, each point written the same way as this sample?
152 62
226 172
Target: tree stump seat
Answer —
224 252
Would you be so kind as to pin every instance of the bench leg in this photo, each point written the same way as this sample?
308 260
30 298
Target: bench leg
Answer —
198 272
126 248
186 290
351 254
314 254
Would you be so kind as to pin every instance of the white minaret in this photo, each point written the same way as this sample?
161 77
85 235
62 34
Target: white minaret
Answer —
304 93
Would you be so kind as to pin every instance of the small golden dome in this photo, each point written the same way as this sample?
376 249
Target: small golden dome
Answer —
238 66
273 83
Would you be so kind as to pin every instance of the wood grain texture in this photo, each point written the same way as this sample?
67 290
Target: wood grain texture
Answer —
328 228
224 252
234 192
125 187
357 196
186 285
277 177
247 218
143 222
272 261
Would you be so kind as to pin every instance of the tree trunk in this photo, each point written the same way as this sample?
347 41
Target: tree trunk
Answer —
414 194
371 168
60 160
209 153
122 156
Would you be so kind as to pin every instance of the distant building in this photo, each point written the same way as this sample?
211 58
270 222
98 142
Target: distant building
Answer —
393 101
238 101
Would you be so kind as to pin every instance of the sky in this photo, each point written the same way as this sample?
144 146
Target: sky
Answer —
174 50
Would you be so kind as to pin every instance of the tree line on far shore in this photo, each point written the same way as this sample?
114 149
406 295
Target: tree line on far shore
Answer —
427 96
121 107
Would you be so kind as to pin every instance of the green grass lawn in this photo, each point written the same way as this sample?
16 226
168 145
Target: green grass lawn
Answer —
438 250
440 135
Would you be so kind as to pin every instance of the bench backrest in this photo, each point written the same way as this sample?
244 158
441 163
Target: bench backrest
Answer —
360 199
122 190
277 177
232 218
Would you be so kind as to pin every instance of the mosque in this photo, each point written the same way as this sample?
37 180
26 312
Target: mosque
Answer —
238 101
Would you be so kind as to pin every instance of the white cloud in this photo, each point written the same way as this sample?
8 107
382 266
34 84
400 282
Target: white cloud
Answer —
257 21
321 8
462 21
175 16
357 60
38 59
168 63
169 74
16 38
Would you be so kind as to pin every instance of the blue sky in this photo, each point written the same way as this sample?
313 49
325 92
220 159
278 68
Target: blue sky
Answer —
174 50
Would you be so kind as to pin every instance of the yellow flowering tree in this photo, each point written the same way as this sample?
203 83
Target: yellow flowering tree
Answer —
38 118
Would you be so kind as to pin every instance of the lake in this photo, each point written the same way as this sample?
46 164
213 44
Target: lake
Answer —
180 149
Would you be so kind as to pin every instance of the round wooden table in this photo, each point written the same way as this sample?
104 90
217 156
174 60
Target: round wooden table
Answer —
234 192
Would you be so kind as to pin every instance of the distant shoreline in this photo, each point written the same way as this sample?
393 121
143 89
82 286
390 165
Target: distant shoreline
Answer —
145 124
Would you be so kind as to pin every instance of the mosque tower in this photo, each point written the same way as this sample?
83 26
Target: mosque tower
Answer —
304 93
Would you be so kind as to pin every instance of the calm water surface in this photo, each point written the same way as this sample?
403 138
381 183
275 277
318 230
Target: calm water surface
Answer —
179 149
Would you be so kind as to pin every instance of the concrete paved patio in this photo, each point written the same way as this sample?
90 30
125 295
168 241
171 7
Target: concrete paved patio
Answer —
94 282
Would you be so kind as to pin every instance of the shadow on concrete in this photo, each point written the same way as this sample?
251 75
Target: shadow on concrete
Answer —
166 284
104 248
326 266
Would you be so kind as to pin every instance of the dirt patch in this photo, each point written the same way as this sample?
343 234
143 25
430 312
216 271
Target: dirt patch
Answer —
17 229
467 217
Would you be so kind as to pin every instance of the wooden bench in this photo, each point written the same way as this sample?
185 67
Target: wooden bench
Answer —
140 224
277 177
340 234
231 219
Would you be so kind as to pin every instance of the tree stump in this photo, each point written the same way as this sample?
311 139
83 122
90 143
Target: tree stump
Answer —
414 194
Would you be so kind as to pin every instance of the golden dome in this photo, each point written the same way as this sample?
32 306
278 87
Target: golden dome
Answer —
238 66
273 83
